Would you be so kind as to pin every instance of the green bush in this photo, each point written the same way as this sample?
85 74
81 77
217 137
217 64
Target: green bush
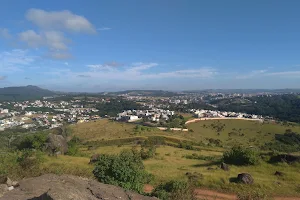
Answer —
241 156
125 170
33 141
73 148
175 190
149 153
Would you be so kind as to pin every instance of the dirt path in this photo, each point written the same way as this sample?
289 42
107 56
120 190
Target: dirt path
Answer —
213 195
205 194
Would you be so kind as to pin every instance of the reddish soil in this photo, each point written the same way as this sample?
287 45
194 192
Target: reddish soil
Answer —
214 195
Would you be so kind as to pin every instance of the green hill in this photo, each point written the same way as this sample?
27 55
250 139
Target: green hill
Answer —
23 93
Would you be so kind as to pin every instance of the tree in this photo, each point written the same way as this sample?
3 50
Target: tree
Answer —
125 170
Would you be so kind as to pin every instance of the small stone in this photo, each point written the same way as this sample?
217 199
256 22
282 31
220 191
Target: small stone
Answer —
278 173
11 188
15 184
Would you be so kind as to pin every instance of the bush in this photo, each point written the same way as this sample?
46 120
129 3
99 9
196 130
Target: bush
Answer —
125 170
73 148
34 141
150 153
175 190
241 156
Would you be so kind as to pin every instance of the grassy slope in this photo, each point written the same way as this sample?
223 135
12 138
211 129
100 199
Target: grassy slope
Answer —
255 133
169 163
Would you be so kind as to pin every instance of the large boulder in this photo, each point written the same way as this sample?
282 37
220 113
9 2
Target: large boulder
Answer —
245 178
56 144
224 166
67 187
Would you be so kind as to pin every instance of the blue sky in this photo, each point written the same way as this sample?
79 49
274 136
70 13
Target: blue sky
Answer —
95 46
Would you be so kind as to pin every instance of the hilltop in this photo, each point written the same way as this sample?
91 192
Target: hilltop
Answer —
23 93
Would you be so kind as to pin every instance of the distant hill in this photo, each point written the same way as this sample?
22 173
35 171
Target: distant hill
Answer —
29 92
153 93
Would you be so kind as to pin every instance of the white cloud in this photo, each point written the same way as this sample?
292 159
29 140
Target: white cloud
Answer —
139 71
104 29
4 33
285 74
12 61
59 20
53 40
252 74
204 72
265 73
66 63
137 67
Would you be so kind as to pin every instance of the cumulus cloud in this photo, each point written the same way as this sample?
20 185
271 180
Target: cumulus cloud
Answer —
4 33
2 78
59 20
53 40
51 34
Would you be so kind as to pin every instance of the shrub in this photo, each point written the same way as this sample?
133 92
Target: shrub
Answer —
150 153
73 148
175 190
34 141
241 156
125 170
30 161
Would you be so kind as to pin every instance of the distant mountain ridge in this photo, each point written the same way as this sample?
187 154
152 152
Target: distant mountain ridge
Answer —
23 93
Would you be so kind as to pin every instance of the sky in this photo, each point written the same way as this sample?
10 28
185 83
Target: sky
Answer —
97 45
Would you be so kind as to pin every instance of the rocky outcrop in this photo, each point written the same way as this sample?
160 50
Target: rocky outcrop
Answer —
67 187
245 178
6 185
56 144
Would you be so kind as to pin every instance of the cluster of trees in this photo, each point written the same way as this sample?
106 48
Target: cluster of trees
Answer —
116 106
283 107
287 142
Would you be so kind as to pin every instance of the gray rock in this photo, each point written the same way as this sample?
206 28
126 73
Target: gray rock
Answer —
56 143
278 173
245 178
67 187
94 158
224 166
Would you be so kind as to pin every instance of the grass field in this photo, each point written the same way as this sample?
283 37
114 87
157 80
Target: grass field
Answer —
170 163
237 131
229 132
